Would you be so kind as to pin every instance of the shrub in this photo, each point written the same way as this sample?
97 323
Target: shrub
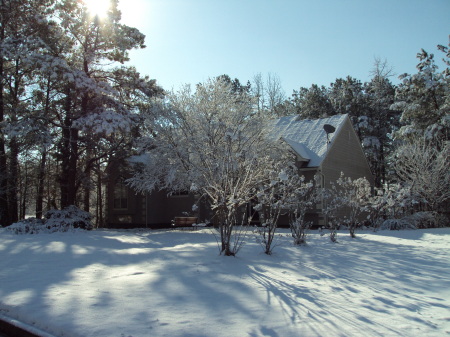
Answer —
69 217
413 221
299 230
64 220
27 226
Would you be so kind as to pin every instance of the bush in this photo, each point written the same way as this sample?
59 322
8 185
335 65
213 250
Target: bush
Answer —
413 221
299 231
69 218
27 226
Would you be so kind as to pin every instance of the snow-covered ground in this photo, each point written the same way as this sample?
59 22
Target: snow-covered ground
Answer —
174 283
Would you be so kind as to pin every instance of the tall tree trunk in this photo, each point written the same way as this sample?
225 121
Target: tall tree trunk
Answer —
23 188
383 165
43 163
69 167
69 158
40 187
87 185
4 214
13 178
99 197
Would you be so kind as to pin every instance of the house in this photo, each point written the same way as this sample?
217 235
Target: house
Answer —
326 147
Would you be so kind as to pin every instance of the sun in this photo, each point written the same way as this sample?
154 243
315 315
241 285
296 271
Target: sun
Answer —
98 7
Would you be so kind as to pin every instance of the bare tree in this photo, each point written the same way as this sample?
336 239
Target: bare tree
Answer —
424 167
269 93
274 91
304 198
381 69
273 196
258 91
355 197
208 142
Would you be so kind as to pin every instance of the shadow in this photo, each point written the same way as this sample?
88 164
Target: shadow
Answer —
169 283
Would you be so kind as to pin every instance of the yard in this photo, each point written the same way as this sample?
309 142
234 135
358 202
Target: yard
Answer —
174 283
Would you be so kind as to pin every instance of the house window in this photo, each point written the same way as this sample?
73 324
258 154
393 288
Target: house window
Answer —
120 195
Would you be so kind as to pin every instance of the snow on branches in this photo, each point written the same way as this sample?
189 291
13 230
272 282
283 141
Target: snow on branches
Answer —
283 192
210 139
423 166
346 201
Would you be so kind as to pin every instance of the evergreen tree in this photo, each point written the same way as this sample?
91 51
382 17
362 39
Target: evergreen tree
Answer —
22 25
379 123
312 103
424 99
63 83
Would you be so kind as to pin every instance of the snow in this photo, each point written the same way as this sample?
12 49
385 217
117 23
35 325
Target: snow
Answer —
299 148
174 283
307 137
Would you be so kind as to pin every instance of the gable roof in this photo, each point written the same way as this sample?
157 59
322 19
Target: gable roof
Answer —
307 137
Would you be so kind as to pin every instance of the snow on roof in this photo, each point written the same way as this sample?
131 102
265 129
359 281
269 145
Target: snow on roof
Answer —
299 148
307 137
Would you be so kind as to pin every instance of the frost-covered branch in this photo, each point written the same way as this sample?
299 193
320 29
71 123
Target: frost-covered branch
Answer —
423 166
208 138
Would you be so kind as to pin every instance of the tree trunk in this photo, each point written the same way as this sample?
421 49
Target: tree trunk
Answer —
40 187
99 197
69 167
13 178
23 187
87 182
4 214
69 158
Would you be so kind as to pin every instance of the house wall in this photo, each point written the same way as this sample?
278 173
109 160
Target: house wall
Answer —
345 155
151 210
155 209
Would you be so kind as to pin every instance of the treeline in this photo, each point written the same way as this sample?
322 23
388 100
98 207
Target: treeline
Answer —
67 103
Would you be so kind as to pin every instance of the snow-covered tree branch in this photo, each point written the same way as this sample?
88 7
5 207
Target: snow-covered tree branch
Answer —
208 141
423 166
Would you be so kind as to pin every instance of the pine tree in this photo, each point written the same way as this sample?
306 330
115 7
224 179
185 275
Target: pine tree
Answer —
424 99
313 103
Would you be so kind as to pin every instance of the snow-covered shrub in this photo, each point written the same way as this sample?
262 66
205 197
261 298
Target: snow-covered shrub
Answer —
266 236
392 203
305 196
349 197
273 197
70 217
64 220
413 221
299 230
422 219
423 166
27 226
331 203
396 224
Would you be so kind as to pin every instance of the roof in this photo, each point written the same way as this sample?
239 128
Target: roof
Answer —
307 137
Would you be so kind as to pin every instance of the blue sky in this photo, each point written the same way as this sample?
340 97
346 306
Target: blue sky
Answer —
302 42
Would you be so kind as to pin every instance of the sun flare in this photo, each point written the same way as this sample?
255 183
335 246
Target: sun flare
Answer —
97 7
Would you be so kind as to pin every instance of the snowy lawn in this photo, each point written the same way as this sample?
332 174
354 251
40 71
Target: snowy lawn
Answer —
173 283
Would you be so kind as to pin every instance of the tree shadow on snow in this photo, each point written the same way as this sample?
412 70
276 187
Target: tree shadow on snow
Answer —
163 281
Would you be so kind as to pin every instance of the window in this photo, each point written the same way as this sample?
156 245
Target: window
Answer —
120 194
